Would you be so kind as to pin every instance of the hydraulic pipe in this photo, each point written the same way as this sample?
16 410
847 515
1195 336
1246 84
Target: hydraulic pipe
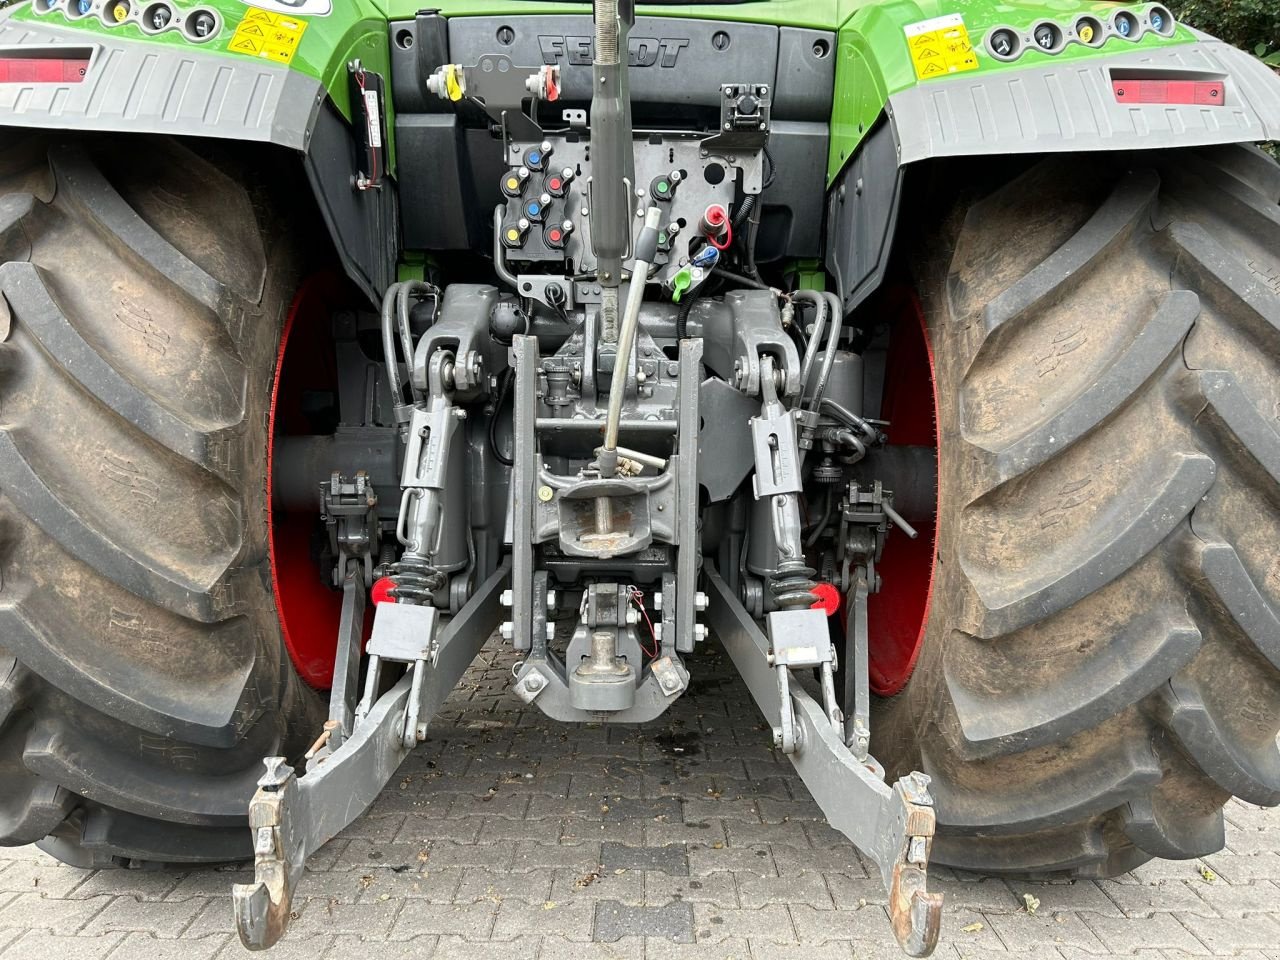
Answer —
646 252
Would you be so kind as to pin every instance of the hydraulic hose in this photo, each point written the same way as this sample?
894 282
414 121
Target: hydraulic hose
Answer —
833 343
815 339
499 254
407 292
389 343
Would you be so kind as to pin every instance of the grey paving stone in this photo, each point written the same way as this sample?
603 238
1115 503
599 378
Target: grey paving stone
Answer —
1237 899
1020 932
1250 932
32 911
814 926
345 948
1161 930
517 918
701 816
414 829
720 889
590 831
672 859
1175 896
768 950
771 922
437 885
473 921
705 832
452 947
40 945
614 921
1056 897
148 946
45 877
480 883
756 860
626 886
807 888
320 916
734 948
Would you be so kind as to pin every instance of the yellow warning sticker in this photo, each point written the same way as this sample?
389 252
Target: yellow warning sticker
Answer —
268 35
940 47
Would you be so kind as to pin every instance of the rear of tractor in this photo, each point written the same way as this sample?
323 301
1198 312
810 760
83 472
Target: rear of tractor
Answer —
923 356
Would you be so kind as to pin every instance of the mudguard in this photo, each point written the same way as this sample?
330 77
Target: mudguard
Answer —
273 72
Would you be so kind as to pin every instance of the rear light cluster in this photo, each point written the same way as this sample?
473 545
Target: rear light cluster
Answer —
154 17
19 68
1139 90
1052 37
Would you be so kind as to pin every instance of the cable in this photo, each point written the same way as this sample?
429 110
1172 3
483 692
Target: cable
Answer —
503 390
768 177
682 316
637 597
728 237
741 280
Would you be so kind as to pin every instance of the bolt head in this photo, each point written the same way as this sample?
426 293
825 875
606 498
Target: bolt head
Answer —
534 682
551 599
699 632
657 600
701 601
507 631
551 630
507 598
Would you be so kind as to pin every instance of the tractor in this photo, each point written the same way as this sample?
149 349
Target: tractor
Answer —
923 354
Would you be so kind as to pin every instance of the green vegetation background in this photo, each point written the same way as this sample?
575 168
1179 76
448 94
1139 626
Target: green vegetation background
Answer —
1248 24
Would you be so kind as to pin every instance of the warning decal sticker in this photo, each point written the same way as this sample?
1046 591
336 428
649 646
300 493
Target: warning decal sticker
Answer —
940 47
271 36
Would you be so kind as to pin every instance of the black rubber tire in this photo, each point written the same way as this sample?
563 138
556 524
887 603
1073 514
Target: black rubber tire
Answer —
142 673
1101 665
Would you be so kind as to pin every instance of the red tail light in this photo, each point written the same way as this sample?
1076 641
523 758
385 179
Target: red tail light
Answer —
1206 93
16 68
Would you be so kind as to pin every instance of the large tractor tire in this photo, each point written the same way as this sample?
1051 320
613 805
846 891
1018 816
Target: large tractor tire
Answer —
1100 666
142 674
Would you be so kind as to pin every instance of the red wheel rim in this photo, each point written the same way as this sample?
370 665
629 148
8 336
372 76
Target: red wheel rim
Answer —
309 610
898 615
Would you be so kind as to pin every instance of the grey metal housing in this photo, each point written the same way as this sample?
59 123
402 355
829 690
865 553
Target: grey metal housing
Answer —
144 88
1070 107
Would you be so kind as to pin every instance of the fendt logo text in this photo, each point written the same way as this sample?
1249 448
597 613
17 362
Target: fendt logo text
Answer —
644 51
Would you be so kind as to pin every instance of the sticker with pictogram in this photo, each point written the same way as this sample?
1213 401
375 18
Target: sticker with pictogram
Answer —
268 35
940 47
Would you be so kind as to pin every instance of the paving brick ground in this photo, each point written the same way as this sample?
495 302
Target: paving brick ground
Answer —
508 836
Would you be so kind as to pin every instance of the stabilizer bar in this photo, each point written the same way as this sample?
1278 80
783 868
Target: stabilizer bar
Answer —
892 825
291 817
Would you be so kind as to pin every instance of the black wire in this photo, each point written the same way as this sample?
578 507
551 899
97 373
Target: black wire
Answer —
744 210
503 390
739 279
682 316
768 177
